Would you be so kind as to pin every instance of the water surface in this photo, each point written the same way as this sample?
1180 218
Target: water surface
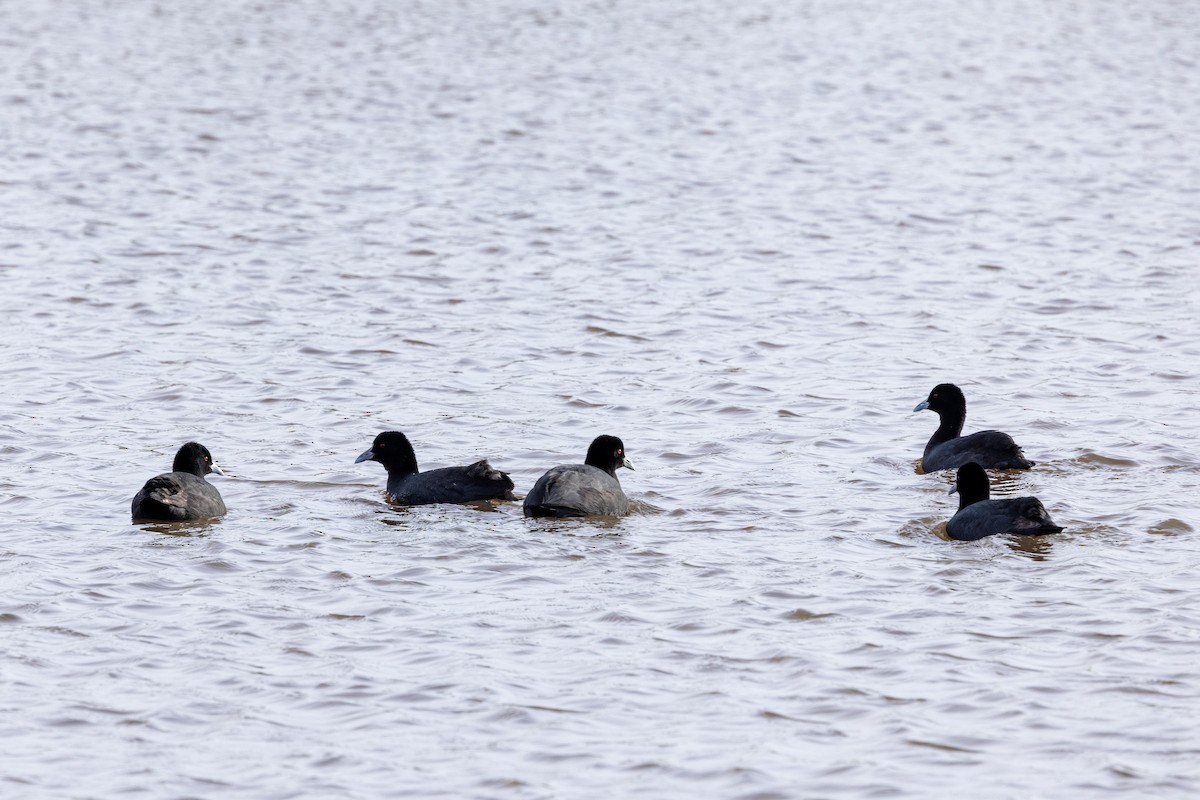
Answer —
745 238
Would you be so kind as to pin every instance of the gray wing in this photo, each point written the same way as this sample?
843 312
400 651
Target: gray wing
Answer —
989 449
479 481
1023 515
576 490
177 496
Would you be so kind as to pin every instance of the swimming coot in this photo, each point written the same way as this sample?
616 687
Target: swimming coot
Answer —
580 490
182 493
948 450
410 487
979 516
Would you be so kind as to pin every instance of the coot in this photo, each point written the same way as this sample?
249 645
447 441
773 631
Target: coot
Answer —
580 490
979 516
948 450
408 486
183 493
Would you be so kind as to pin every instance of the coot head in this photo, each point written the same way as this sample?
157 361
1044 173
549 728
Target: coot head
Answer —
943 397
607 453
392 449
972 485
194 457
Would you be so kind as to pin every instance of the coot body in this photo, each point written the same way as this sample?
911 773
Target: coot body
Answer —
948 449
979 516
407 485
183 493
582 490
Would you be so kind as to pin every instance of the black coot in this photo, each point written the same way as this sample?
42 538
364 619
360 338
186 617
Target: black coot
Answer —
580 490
410 487
978 516
948 450
182 493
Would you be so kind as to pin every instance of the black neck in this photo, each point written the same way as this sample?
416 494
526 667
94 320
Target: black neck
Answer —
950 427
402 467
970 497
972 485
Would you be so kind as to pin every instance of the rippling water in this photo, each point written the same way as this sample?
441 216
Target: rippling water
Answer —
747 238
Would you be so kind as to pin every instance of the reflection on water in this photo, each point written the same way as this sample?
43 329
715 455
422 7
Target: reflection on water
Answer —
190 528
1172 527
744 237
1035 547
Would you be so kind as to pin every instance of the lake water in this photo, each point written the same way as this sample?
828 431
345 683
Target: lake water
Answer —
745 237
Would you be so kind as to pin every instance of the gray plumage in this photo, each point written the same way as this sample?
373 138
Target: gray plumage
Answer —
979 516
409 486
947 449
581 490
182 494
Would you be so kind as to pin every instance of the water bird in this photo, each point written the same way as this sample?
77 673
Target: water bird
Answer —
947 449
407 485
581 490
182 493
978 516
